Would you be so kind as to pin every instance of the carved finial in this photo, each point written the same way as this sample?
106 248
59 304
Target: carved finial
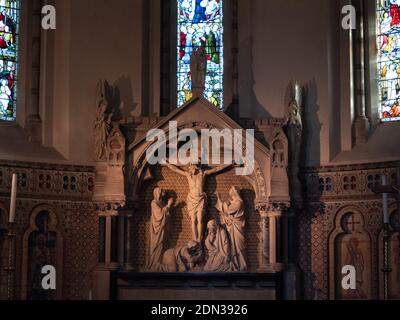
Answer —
198 70
297 93
294 111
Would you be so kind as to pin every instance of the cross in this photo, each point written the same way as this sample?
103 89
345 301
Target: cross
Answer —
385 190
352 223
390 189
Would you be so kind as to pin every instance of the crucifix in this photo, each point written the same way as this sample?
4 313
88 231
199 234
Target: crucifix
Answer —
196 199
385 189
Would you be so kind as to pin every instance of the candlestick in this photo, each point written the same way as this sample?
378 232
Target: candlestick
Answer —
386 216
13 198
10 268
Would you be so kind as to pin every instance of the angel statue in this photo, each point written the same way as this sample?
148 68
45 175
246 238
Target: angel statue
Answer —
102 125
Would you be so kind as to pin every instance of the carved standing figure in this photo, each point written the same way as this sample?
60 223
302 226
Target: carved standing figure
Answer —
218 248
233 217
294 133
198 70
355 258
294 125
196 199
103 120
158 225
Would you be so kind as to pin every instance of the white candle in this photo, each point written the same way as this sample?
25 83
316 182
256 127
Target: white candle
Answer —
386 216
13 198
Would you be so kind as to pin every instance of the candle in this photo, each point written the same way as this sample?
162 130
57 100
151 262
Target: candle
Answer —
386 217
13 198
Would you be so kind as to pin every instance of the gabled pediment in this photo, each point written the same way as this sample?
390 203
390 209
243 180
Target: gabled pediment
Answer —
198 112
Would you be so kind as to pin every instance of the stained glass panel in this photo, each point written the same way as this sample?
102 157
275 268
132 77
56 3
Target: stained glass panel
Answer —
200 24
388 41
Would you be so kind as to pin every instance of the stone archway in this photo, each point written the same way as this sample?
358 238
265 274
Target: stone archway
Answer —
43 244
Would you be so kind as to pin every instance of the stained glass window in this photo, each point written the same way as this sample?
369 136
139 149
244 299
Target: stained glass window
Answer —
200 24
388 41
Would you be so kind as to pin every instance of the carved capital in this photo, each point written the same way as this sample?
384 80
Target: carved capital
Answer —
262 208
278 209
109 207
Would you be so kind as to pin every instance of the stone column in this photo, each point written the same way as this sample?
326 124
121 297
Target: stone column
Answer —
271 223
33 122
128 261
275 214
265 239
292 274
109 259
272 238
108 237
361 122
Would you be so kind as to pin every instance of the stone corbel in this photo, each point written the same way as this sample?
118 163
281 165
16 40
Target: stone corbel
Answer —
33 128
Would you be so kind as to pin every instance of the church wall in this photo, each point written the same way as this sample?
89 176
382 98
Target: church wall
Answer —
105 44
332 195
278 42
291 41
94 40
65 193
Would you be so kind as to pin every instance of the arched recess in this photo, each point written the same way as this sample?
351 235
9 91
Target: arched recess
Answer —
279 165
43 244
3 250
394 254
255 187
140 172
350 245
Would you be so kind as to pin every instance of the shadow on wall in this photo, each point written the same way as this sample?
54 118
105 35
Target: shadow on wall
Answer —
123 101
310 156
248 101
311 151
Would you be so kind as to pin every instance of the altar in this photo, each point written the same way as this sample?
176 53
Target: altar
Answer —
195 230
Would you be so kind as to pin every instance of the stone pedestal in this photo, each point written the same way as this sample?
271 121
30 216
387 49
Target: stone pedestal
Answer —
109 198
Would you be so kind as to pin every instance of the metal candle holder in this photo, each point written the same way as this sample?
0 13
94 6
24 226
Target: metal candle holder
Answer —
10 269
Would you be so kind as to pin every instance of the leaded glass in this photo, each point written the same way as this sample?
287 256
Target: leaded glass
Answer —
388 41
200 23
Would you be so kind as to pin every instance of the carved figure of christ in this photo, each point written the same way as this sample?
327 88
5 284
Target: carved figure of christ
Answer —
196 199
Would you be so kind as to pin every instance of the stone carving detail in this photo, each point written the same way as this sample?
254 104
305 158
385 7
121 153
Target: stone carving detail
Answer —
351 245
218 248
198 70
233 218
61 182
159 219
294 115
223 250
74 270
182 259
102 125
116 146
344 182
196 199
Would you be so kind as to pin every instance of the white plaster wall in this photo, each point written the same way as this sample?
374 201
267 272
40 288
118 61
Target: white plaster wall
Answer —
289 40
279 41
